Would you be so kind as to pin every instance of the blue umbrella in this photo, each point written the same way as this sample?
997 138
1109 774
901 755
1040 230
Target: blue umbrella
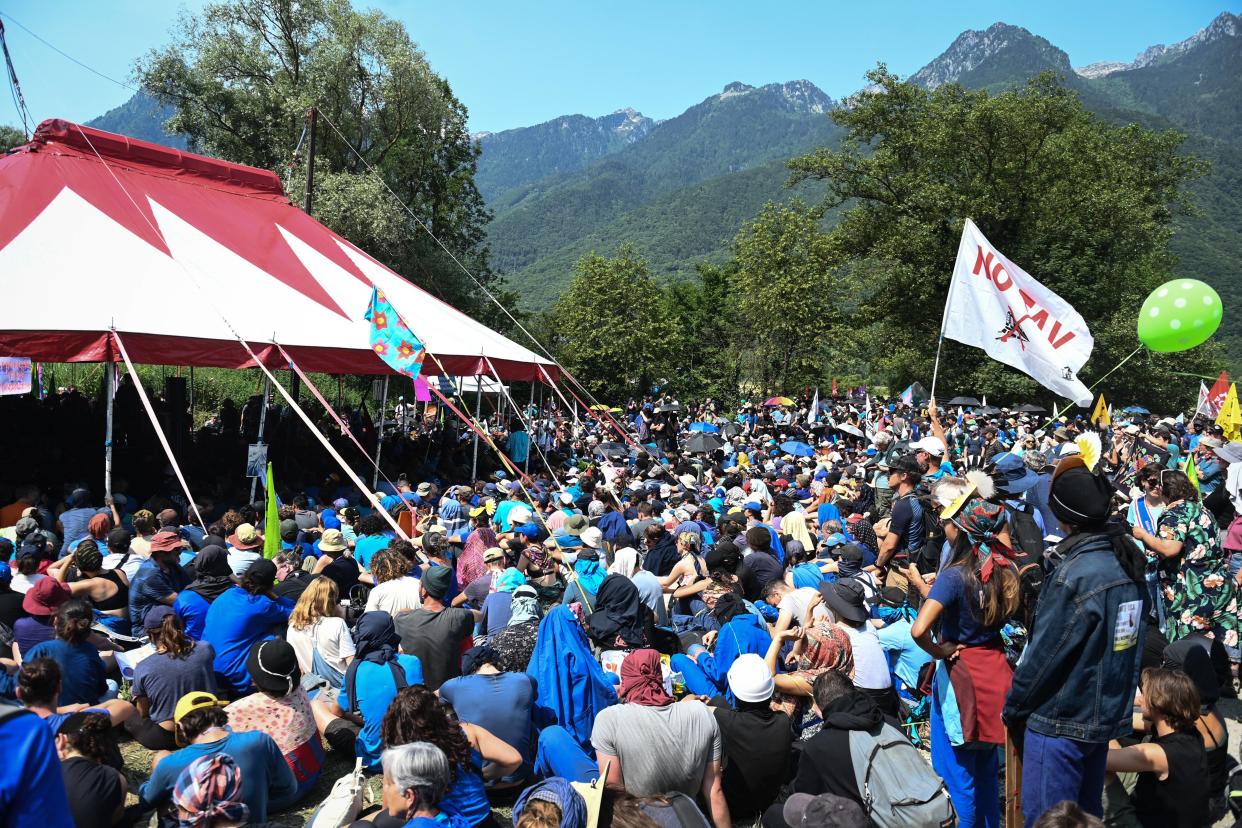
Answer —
1136 409
705 427
797 449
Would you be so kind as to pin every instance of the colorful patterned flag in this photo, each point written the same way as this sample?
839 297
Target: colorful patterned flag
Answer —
391 338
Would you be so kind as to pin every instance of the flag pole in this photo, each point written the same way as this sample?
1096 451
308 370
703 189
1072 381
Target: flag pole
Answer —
944 318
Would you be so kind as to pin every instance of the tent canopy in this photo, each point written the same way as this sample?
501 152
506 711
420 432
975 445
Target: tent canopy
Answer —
183 254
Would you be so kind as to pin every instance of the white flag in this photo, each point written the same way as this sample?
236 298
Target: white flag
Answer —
1204 405
813 415
997 306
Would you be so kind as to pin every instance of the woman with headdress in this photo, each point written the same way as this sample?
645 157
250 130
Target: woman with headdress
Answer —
374 678
973 597
516 642
572 688
208 794
819 645
470 563
621 620
739 631
213 578
793 528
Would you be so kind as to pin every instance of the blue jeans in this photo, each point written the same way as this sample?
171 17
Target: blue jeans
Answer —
1055 769
560 755
971 776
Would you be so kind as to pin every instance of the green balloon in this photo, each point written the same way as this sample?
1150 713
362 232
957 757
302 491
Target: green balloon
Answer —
1179 315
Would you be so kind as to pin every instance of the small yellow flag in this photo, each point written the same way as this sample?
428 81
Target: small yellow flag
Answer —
1192 471
1100 416
1230 417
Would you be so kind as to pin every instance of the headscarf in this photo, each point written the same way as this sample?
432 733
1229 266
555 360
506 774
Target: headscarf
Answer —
509 580
827 647
864 534
571 687
729 606
213 575
794 525
560 792
470 563
523 608
99 526
625 563
590 575
642 681
618 612
759 491
210 790
981 520
375 640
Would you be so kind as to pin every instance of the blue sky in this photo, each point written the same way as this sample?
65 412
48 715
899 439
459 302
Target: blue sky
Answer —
520 63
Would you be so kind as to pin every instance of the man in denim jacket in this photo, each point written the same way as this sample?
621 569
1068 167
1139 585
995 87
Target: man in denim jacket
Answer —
1073 690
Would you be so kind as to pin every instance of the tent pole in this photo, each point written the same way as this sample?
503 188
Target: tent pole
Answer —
267 391
478 416
532 420
109 398
379 442
191 399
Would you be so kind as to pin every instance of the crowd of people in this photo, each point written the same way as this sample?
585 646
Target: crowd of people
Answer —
795 614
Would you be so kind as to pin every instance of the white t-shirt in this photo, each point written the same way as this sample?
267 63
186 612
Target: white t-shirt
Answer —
870 663
396 596
796 603
330 637
130 568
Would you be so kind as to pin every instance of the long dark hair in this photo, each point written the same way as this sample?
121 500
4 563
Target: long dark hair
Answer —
418 715
92 737
996 601
170 638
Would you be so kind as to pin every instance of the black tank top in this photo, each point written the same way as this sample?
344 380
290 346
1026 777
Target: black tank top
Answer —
118 601
1181 800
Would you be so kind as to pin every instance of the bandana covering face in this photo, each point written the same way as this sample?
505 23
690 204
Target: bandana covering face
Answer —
210 790
981 520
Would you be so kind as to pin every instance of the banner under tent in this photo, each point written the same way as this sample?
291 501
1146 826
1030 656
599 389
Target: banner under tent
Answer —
183 254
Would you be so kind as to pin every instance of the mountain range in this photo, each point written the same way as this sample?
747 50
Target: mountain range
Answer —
679 189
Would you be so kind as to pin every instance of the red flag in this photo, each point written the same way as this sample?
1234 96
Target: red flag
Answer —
1216 397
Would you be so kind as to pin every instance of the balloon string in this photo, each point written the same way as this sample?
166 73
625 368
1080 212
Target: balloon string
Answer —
1115 367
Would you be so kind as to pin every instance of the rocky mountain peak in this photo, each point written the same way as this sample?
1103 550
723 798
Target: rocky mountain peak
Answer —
973 48
1225 25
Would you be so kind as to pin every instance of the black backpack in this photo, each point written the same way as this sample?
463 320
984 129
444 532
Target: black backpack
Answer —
1028 550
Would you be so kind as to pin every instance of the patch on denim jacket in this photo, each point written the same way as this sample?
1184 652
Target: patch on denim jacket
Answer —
1125 633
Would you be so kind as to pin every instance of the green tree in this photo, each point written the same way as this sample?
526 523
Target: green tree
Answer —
11 137
242 75
1084 206
786 297
700 310
612 327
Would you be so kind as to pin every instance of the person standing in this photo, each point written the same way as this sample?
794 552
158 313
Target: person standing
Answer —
972 598
1073 690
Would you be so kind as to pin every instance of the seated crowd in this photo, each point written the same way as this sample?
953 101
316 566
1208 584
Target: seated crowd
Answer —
703 645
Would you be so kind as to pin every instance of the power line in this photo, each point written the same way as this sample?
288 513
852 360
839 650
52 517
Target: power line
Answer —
63 53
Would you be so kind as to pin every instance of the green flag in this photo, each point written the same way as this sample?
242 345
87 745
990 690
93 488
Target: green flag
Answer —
271 521
1192 471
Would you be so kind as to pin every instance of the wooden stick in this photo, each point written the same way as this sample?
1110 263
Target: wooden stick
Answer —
1013 783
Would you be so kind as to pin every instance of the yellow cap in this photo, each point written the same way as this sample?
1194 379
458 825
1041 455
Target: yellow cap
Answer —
195 701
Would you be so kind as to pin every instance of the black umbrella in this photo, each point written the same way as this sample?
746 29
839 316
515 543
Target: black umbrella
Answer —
702 442
988 410
666 409
1030 408
964 401
731 429
613 450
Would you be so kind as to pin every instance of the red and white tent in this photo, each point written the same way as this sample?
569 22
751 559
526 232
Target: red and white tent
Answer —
101 232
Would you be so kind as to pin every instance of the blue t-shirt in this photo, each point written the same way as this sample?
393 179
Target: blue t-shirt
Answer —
905 658
150 586
32 788
265 776
366 547
192 609
376 690
827 512
74 522
163 680
501 703
466 800
82 671
235 621
438 821
497 610
501 518
960 620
